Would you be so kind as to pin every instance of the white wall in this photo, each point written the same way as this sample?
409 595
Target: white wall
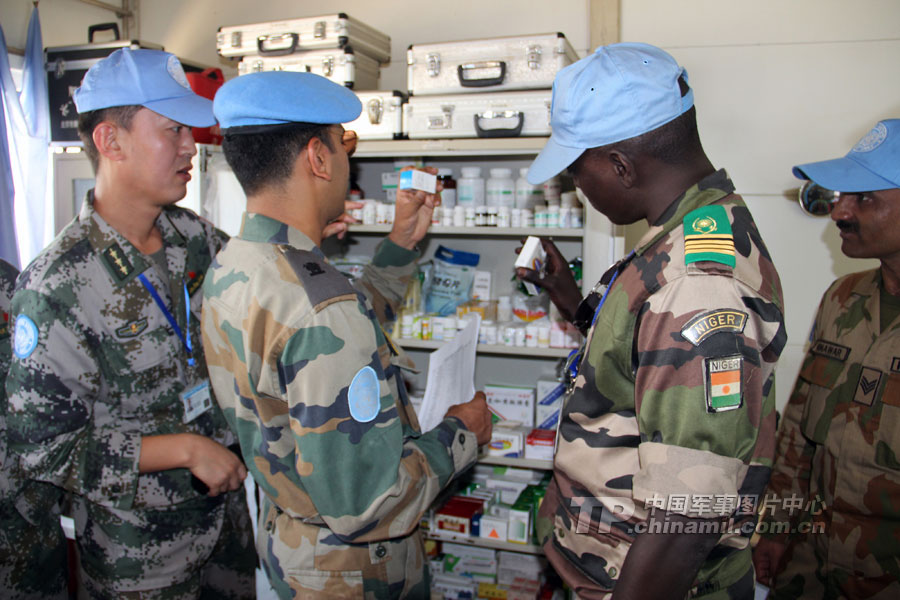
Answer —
778 83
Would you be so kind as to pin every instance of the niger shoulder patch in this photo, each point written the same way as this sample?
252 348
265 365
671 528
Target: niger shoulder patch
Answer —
708 236
705 324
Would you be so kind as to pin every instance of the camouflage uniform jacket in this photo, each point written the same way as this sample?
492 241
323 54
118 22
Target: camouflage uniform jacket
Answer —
839 444
647 424
32 559
309 382
96 366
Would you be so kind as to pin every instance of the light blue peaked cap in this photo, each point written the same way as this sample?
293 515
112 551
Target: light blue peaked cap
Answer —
282 97
150 78
872 164
619 92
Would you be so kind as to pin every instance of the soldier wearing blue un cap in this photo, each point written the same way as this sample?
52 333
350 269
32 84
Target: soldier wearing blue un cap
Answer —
109 396
839 435
300 363
670 412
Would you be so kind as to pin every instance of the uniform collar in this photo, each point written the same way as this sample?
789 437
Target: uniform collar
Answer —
122 260
260 228
708 190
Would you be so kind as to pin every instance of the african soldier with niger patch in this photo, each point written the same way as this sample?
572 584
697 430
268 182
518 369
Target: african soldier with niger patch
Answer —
305 374
837 467
670 415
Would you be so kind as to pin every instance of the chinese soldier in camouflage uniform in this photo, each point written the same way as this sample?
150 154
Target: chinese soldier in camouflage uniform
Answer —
670 416
838 445
108 390
32 556
300 363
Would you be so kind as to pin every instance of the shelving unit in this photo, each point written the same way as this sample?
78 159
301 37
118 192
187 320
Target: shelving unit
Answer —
413 344
513 232
485 543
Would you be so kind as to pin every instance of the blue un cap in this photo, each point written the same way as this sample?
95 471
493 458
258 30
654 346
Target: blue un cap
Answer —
260 101
150 78
872 164
619 92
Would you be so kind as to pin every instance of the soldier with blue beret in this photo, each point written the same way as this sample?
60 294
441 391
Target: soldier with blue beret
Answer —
301 366
836 478
109 396
669 422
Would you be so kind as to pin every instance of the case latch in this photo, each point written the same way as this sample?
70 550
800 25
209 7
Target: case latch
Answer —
533 54
433 65
328 66
444 121
319 30
375 110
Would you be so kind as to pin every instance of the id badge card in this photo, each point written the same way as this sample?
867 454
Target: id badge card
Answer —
196 401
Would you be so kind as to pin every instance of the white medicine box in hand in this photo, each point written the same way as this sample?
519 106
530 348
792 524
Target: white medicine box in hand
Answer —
418 180
532 256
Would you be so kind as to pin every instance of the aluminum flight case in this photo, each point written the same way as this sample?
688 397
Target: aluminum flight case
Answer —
66 66
280 38
340 65
382 116
489 114
493 64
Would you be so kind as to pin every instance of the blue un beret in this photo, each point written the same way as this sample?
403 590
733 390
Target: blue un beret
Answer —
282 97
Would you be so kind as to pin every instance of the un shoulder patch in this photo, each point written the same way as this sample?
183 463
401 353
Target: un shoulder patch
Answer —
26 337
705 324
708 236
363 396
722 379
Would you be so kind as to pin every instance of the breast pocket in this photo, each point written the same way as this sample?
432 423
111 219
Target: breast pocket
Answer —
821 374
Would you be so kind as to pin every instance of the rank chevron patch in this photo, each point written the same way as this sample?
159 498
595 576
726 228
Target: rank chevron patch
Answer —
708 236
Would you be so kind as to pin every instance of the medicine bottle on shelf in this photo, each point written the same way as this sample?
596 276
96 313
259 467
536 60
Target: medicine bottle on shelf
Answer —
470 187
527 195
448 195
500 188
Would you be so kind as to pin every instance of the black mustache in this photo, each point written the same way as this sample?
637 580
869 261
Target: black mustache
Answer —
849 226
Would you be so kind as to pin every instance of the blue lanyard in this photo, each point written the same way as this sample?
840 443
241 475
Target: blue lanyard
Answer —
574 364
165 311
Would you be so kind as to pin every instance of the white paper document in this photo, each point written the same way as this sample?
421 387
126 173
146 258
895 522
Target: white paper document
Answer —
451 375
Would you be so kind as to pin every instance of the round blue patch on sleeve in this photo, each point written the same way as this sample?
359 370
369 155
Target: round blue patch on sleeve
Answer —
364 395
26 337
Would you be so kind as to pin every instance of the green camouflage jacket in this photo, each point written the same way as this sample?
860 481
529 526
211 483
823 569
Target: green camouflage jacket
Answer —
838 451
8 275
309 383
96 366
673 407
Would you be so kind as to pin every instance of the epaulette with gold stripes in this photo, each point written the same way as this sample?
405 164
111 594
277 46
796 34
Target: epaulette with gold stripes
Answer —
707 236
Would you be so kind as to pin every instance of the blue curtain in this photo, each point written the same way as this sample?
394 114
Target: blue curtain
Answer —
29 117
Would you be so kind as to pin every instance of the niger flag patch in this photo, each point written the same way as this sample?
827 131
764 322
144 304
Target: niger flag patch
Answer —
708 236
722 379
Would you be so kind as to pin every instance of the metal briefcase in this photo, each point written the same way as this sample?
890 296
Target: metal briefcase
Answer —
279 38
382 116
340 65
494 64
491 114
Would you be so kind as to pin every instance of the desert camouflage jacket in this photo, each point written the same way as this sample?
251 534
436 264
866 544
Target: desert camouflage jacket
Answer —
95 367
838 451
673 407
308 381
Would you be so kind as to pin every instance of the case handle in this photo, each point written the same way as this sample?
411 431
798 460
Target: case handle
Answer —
464 81
276 38
114 27
499 131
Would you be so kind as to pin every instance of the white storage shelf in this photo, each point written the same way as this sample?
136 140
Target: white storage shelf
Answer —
484 542
513 232
414 344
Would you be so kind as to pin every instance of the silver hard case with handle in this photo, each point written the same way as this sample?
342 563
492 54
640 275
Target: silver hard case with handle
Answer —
494 64
490 114
280 38
382 116
340 65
